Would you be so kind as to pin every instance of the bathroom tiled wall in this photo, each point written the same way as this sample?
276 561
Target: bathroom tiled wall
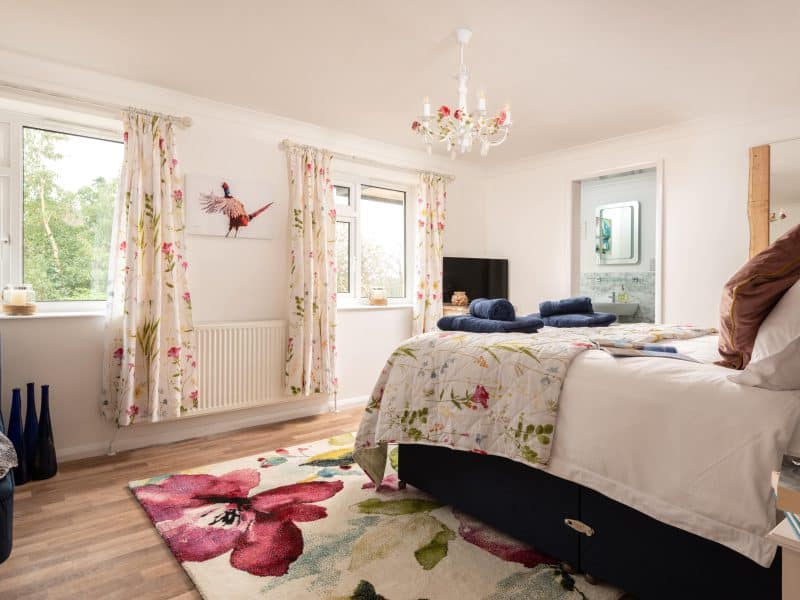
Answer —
640 286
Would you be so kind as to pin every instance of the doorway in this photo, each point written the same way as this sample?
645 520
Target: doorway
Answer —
616 243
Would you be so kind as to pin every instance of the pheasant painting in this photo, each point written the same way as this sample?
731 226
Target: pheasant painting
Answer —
231 207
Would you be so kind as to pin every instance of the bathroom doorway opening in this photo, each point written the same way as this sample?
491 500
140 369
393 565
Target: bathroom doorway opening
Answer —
616 242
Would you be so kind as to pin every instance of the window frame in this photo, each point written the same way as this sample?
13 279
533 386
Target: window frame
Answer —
11 207
351 214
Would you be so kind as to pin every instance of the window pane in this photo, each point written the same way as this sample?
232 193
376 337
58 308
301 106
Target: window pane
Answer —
383 253
342 257
69 187
342 195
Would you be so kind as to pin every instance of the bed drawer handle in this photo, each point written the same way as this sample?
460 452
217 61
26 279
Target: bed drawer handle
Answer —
579 526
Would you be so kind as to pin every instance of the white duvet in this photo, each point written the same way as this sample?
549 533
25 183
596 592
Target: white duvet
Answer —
678 441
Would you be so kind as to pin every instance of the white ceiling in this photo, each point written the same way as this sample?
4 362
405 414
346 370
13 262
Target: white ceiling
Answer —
573 71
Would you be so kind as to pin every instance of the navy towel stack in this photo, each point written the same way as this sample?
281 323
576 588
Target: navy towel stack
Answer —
567 306
497 309
594 319
573 312
529 324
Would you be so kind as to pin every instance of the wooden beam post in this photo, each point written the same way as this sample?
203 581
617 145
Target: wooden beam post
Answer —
758 199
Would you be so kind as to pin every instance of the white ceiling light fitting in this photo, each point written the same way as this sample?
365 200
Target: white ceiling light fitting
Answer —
458 129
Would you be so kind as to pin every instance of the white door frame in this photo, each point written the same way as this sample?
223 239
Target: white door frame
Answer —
575 223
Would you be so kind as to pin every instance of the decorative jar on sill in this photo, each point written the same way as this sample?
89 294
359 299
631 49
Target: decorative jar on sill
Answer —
377 296
459 299
19 299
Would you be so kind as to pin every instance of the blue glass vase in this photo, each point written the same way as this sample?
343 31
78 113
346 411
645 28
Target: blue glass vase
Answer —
21 474
45 464
31 426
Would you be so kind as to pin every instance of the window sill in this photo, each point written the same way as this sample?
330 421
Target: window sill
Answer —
363 306
54 315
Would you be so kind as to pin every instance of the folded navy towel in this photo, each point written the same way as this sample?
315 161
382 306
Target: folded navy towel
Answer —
498 309
567 306
529 324
594 319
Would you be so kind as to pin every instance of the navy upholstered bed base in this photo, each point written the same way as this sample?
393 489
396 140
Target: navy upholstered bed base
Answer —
628 549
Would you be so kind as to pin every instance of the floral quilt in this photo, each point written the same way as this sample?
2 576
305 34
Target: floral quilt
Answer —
491 393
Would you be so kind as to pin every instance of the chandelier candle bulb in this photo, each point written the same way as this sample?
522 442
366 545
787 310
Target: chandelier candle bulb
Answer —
482 102
426 107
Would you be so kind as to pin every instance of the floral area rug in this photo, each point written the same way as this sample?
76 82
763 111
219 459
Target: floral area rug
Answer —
306 522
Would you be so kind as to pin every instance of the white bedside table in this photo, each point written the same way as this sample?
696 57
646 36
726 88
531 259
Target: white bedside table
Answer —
784 536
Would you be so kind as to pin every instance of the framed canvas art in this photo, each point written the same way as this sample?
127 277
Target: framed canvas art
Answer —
230 207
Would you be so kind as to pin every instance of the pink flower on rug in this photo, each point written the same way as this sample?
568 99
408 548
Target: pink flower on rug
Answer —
500 545
203 516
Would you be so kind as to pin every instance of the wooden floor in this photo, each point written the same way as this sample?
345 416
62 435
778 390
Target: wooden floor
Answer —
82 534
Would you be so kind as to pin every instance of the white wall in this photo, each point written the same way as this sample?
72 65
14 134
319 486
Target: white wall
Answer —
230 280
705 228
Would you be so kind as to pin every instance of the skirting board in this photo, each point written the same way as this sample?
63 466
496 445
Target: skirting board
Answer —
153 434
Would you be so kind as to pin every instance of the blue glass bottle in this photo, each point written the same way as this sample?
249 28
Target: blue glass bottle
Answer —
15 435
31 426
45 464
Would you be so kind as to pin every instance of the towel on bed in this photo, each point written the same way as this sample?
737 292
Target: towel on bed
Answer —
529 324
594 319
567 306
498 309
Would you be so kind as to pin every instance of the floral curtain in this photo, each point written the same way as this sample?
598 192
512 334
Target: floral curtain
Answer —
311 351
431 197
149 362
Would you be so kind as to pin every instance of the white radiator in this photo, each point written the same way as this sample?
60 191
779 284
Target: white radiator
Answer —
240 364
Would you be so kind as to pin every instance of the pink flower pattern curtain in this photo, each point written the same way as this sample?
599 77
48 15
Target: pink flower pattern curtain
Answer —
431 197
311 349
149 361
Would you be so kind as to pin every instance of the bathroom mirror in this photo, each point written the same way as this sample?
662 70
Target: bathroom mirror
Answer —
617 233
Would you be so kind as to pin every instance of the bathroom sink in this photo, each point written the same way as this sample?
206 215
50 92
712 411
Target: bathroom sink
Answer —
627 309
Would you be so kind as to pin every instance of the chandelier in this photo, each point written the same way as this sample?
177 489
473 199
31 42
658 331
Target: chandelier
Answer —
459 129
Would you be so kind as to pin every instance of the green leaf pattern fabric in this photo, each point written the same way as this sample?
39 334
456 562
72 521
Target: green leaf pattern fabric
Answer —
311 344
150 351
428 257
495 393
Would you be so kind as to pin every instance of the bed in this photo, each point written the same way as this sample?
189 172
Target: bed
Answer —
662 467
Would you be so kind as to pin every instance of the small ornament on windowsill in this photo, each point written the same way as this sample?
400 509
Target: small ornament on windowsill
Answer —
19 300
459 298
377 297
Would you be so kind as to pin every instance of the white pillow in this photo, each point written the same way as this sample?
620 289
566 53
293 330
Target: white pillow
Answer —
775 361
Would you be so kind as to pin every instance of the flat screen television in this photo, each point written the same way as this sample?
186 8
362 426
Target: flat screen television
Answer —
478 277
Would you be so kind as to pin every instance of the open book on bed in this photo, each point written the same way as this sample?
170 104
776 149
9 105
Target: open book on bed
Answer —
652 350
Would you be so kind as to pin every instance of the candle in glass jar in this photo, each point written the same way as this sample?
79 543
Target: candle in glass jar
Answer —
18 297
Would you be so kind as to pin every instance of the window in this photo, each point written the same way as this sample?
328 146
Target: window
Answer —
371 231
69 187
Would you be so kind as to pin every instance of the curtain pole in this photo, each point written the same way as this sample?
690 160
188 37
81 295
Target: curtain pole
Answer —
286 143
105 106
